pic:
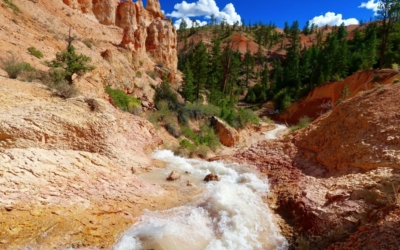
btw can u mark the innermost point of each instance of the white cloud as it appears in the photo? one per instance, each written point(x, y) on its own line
point(330, 18)
point(370, 5)
point(205, 8)
point(189, 22)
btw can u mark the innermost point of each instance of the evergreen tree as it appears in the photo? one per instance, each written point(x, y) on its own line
point(68, 63)
point(199, 66)
point(188, 89)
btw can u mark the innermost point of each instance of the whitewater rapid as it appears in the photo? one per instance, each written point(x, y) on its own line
point(228, 214)
point(273, 134)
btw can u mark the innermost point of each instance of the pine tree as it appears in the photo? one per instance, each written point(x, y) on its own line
point(68, 63)
point(188, 89)
point(199, 66)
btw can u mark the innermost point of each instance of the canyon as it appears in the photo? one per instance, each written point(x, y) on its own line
point(72, 176)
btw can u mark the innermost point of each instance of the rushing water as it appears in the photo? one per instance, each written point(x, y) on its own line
point(273, 134)
point(228, 214)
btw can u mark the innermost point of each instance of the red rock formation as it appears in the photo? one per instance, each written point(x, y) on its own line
point(362, 132)
point(104, 10)
point(161, 43)
point(146, 31)
point(83, 5)
point(154, 7)
point(228, 136)
point(320, 98)
point(126, 15)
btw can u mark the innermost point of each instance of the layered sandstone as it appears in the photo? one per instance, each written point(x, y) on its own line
point(68, 173)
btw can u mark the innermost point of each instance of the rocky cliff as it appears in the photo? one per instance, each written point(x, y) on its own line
point(146, 31)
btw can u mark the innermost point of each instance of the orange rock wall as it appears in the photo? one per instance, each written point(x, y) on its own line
point(313, 104)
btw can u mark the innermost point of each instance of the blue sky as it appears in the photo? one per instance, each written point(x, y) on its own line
point(320, 11)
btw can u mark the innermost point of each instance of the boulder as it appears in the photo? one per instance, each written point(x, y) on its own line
point(173, 176)
point(228, 136)
point(211, 177)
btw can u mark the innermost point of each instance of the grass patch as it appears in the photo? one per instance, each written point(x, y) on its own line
point(396, 80)
point(124, 101)
point(304, 122)
point(34, 52)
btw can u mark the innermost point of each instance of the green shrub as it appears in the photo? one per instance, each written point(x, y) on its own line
point(70, 62)
point(199, 111)
point(35, 52)
point(395, 67)
point(282, 99)
point(138, 74)
point(14, 66)
point(65, 90)
point(396, 80)
point(88, 43)
point(171, 126)
point(12, 6)
point(165, 93)
point(152, 74)
point(303, 122)
point(123, 101)
point(240, 118)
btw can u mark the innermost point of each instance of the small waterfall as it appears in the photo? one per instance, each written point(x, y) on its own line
point(228, 214)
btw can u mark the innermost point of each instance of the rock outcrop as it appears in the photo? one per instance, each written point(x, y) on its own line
point(323, 98)
point(146, 31)
point(363, 132)
point(67, 166)
point(228, 136)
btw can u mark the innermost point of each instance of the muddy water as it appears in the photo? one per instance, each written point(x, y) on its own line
point(228, 214)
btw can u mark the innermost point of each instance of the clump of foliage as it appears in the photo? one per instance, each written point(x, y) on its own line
point(88, 43)
point(239, 118)
point(396, 80)
point(303, 122)
point(152, 74)
point(68, 63)
point(65, 90)
point(395, 67)
point(14, 65)
point(35, 52)
point(124, 101)
point(14, 7)
point(199, 142)
point(138, 74)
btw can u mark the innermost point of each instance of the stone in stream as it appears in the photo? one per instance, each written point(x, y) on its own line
point(211, 177)
point(173, 176)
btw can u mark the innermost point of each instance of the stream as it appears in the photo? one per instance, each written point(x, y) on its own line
point(227, 214)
